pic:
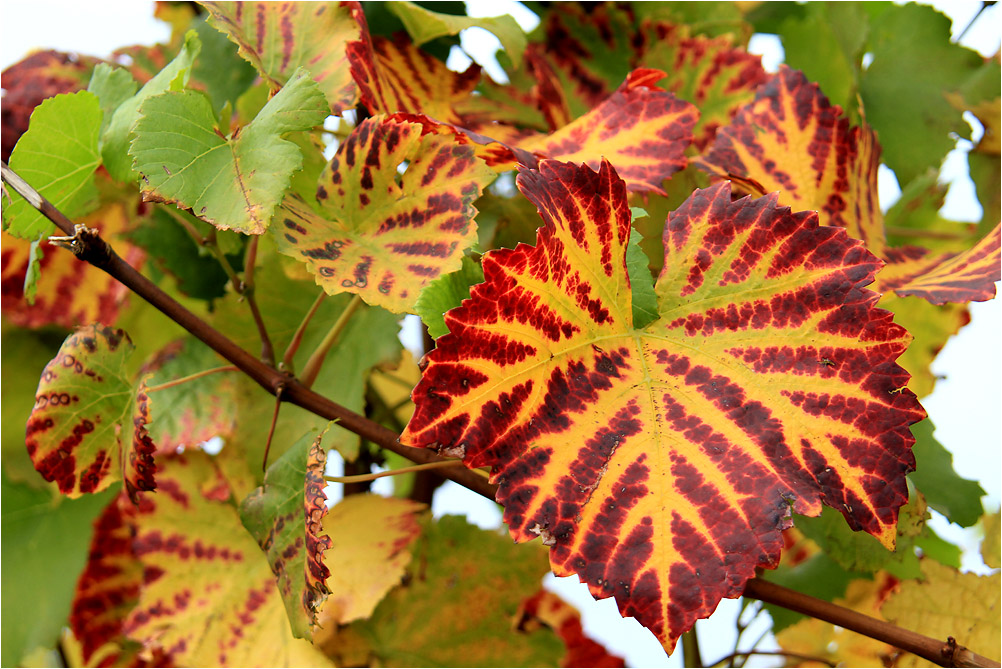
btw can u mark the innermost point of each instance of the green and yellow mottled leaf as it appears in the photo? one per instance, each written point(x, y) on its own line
point(285, 516)
point(233, 183)
point(371, 538)
point(424, 25)
point(464, 586)
point(57, 156)
point(381, 233)
point(660, 465)
point(69, 293)
point(842, 647)
point(190, 542)
point(947, 603)
point(118, 136)
point(279, 37)
point(86, 430)
point(792, 140)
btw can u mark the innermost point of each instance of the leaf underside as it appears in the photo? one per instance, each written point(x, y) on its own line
point(768, 383)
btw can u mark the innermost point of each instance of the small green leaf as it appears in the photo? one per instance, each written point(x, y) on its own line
point(645, 302)
point(57, 156)
point(115, 140)
point(112, 86)
point(35, 255)
point(447, 292)
point(424, 25)
point(233, 183)
point(957, 498)
point(220, 68)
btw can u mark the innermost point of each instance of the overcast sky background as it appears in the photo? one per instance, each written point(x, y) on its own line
point(964, 407)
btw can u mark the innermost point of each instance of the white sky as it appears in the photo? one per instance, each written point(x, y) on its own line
point(965, 406)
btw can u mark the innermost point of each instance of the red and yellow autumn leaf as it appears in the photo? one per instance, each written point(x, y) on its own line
point(87, 428)
point(582, 651)
point(941, 278)
point(70, 292)
point(190, 542)
point(278, 37)
point(767, 148)
point(381, 233)
point(370, 550)
point(661, 465)
point(285, 516)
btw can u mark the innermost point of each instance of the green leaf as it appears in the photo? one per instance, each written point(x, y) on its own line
point(112, 86)
point(45, 542)
point(57, 156)
point(284, 516)
point(447, 292)
point(424, 25)
point(957, 498)
point(939, 549)
point(34, 272)
point(469, 584)
point(645, 301)
point(116, 138)
point(233, 183)
point(914, 64)
point(220, 68)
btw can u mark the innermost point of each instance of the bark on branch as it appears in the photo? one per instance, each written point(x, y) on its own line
point(88, 246)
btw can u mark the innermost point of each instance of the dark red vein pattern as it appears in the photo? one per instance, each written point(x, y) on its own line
point(278, 37)
point(382, 234)
point(661, 465)
point(790, 122)
point(940, 278)
point(81, 432)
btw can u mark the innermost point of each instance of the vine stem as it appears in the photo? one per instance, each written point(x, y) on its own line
point(190, 377)
point(247, 291)
point(316, 361)
point(88, 246)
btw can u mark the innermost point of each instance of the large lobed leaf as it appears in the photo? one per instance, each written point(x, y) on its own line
point(381, 233)
point(234, 183)
point(87, 429)
point(661, 464)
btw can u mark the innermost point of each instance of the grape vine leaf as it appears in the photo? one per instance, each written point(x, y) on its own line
point(118, 135)
point(379, 233)
point(466, 582)
point(548, 609)
point(957, 498)
point(371, 548)
point(424, 25)
point(233, 183)
point(948, 603)
point(69, 293)
point(990, 544)
point(817, 638)
point(279, 37)
point(58, 156)
point(690, 440)
point(284, 516)
point(86, 429)
point(444, 293)
point(112, 86)
point(189, 540)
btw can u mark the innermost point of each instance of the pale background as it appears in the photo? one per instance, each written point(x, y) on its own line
point(964, 407)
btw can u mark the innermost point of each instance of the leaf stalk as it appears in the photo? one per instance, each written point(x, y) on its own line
point(316, 361)
point(191, 377)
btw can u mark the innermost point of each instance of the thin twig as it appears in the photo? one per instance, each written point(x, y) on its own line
point(247, 291)
point(361, 478)
point(316, 361)
point(691, 656)
point(297, 339)
point(191, 377)
point(915, 233)
point(981, 9)
point(271, 430)
point(781, 653)
point(91, 248)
